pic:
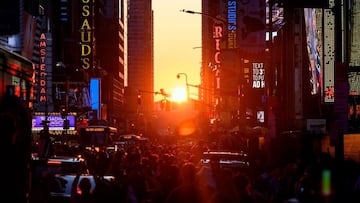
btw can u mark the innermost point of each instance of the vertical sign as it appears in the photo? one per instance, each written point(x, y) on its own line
point(95, 95)
point(42, 69)
point(86, 34)
point(218, 33)
point(329, 52)
point(232, 25)
point(313, 48)
point(258, 75)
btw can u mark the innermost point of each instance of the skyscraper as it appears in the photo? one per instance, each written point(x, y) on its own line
point(140, 54)
point(97, 53)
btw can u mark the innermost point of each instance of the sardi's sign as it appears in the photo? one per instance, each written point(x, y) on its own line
point(86, 34)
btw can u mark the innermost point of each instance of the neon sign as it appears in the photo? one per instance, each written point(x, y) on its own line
point(231, 19)
point(42, 70)
point(56, 122)
point(95, 129)
point(217, 36)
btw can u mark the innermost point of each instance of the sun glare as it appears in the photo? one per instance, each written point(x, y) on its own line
point(179, 94)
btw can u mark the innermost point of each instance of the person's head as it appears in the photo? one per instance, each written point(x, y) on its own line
point(188, 172)
point(85, 185)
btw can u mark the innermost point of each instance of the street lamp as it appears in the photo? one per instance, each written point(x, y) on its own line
point(187, 84)
point(211, 52)
point(215, 19)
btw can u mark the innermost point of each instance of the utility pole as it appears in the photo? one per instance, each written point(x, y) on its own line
point(187, 84)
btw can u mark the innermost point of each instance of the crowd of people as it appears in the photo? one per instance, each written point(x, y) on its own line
point(172, 172)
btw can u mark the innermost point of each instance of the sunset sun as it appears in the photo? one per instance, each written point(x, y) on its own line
point(179, 94)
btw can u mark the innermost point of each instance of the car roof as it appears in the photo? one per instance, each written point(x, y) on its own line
point(226, 158)
point(223, 154)
point(67, 159)
point(60, 159)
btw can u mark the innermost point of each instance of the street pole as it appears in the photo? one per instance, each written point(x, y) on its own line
point(187, 84)
point(213, 99)
point(215, 19)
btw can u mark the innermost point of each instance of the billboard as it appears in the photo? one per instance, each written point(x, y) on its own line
point(95, 95)
point(313, 49)
point(56, 122)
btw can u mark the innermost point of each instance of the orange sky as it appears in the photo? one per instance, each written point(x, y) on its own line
point(175, 36)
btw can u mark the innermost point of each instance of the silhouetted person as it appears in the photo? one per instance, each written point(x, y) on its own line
point(15, 144)
point(84, 195)
point(242, 186)
point(45, 148)
point(188, 190)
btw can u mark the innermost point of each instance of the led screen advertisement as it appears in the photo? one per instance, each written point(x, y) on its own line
point(95, 95)
point(56, 122)
point(313, 48)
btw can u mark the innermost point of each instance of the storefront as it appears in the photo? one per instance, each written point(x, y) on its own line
point(16, 76)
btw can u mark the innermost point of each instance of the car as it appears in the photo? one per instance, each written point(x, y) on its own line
point(60, 186)
point(226, 159)
point(58, 165)
point(130, 139)
point(59, 173)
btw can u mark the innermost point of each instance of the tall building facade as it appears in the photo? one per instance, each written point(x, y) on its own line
point(140, 63)
point(94, 32)
point(110, 48)
point(298, 72)
point(72, 44)
point(233, 60)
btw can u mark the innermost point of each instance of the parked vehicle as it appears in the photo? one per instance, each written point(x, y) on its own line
point(56, 174)
point(58, 165)
point(60, 186)
point(130, 139)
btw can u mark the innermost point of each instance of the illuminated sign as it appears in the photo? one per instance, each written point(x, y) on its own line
point(258, 75)
point(94, 129)
point(95, 95)
point(42, 69)
point(56, 122)
point(217, 36)
point(328, 41)
point(231, 19)
point(313, 48)
point(86, 34)
point(260, 116)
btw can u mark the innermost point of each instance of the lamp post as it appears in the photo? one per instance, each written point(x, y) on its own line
point(211, 51)
point(215, 19)
point(187, 84)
